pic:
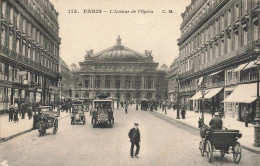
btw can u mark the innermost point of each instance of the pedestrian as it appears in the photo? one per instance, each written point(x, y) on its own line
point(134, 135)
point(16, 119)
point(30, 112)
point(212, 111)
point(183, 112)
point(126, 106)
point(23, 108)
point(246, 118)
point(11, 113)
point(136, 106)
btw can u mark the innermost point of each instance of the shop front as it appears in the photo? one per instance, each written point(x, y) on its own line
point(242, 99)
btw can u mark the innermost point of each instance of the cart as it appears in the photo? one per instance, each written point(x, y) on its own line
point(223, 141)
point(48, 119)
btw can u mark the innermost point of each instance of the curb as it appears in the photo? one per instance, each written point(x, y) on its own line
point(243, 146)
point(21, 133)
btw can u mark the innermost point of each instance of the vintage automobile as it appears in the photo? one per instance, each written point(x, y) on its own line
point(77, 114)
point(47, 119)
point(102, 113)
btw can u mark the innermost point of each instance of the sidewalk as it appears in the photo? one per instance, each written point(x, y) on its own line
point(9, 130)
point(191, 119)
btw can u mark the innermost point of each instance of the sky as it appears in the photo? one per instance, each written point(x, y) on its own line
point(156, 31)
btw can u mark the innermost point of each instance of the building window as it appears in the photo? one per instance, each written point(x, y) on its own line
point(255, 30)
point(222, 47)
point(24, 25)
point(87, 84)
point(23, 49)
point(127, 84)
point(244, 37)
point(17, 45)
point(18, 20)
point(98, 83)
point(107, 84)
point(216, 51)
point(3, 36)
point(244, 6)
point(12, 15)
point(4, 9)
point(229, 17)
point(236, 40)
point(236, 11)
point(222, 22)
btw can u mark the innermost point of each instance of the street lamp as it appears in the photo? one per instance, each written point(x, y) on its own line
point(70, 92)
point(156, 94)
point(257, 118)
point(137, 98)
point(80, 86)
point(118, 86)
point(203, 91)
point(178, 95)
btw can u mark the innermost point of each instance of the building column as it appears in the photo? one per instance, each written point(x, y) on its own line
point(142, 82)
point(153, 82)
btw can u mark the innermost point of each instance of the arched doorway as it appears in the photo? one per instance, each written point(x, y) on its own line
point(86, 95)
point(149, 96)
point(128, 96)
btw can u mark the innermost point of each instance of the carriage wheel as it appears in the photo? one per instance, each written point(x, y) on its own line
point(208, 150)
point(222, 153)
point(237, 153)
point(55, 126)
point(201, 147)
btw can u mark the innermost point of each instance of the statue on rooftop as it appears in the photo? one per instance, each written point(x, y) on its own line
point(88, 54)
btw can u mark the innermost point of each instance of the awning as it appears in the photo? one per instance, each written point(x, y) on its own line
point(240, 67)
point(215, 73)
point(244, 93)
point(250, 64)
point(212, 92)
point(198, 95)
point(200, 80)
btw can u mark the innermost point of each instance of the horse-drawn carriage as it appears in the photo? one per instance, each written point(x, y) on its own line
point(47, 119)
point(223, 141)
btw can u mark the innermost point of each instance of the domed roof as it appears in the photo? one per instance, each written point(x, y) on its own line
point(121, 53)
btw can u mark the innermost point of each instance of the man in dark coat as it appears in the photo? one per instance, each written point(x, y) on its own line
point(134, 135)
point(183, 112)
point(11, 113)
point(216, 122)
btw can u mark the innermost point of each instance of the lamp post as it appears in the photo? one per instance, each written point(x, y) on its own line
point(137, 98)
point(257, 118)
point(156, 94)
point(70, 92)
point(203, 90)
point(178, 95)
point(80, 86)
point(118, 86)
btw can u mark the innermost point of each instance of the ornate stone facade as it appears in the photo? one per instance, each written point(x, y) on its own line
point(29, 52)
point(119, 72)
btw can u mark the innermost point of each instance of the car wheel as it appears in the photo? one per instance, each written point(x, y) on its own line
point(94, 123)
point(84, 121)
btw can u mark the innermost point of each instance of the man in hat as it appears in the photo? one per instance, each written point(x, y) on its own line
point(11, 113)
point(216, 122)
point(134, 135)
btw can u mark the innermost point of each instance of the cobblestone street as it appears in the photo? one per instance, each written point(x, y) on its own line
point(162, 143)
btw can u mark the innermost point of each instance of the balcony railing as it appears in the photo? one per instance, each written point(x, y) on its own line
point(25, 61)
